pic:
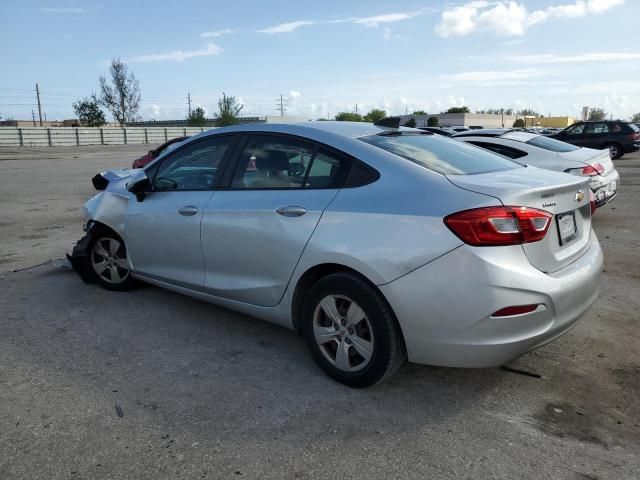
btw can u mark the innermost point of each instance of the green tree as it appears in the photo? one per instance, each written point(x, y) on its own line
point(411, 123)
point(197, 118)
point(228, 111)
point(529, 112)
point(122, 96)
point(419, 112)
point(636, 118)
point(88, 112)
point(519, 123)
point(597, 114)
point(374, 115)
point(348, 117)
point(432, 121)
point(463, 109)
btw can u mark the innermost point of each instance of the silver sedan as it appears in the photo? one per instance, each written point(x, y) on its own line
point(376, 243)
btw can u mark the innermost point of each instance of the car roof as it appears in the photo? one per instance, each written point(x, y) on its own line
point(344, 129)
point(485, 132)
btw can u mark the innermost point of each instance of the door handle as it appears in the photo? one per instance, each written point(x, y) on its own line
point(188, 211)
point(291, 211)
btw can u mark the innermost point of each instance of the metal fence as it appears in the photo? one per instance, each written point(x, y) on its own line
point(68, 136)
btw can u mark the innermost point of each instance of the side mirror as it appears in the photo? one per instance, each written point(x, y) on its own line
point(139, 185)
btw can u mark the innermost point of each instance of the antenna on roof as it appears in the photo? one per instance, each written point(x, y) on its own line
point(389, 122)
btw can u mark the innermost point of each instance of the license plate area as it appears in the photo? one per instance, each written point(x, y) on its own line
point(567, 230)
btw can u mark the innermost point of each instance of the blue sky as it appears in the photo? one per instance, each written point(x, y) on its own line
point(555, 56)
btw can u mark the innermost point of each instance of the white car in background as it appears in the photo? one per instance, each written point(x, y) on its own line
point(544, 152)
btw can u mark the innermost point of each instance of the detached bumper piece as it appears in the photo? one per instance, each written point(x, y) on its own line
point(79, 258)
point(99, 182)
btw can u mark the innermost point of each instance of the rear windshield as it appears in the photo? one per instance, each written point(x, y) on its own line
point(634, 127)
point(442, 155)
point(551, 144)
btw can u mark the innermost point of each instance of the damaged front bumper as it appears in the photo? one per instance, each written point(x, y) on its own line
point(79, 257)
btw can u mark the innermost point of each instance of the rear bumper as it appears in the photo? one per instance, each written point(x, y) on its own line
point(605, 189)
point(444, 308)
point(631, 147)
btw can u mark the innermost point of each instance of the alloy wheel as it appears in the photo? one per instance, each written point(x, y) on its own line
point(343, 333)
point(109, 260)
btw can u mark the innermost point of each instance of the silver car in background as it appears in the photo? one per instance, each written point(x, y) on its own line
point(375, 243)
point(543, 152)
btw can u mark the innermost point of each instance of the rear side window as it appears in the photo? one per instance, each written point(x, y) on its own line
point(440, 154)
point(503, 150)
point(551, 144)
point(596, 128)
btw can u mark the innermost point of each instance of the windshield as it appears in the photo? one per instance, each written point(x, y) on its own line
point(551, 144)
point(440, 154)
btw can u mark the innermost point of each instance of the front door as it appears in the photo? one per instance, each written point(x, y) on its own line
point(162, 233)
point(254, 233)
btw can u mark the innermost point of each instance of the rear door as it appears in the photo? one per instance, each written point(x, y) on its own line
point(596, 135)
point(254, 232)
point(162, 232)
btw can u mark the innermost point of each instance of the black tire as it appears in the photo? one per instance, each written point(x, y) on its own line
point(101, 235)
point(615, 150)
point(388, 349)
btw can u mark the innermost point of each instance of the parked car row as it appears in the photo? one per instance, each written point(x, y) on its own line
point(378, 243)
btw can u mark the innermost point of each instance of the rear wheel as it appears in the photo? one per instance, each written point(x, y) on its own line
point(107, 261)
point(351, 332)
point(615, 150)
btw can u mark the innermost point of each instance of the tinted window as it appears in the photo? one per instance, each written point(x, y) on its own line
point(596, 128)
point(501, 149)
point(441, 154)
point(551, 144)
point(194, 167)
point(281, 162)
point(575, 130)
point(634, 127)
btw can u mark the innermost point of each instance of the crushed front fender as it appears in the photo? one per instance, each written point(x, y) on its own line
point(79, 257)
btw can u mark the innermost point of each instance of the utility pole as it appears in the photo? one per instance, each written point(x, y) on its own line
point(39, 107)
point(33, 117)
point(406, 110)
point(189, 102)
point(282, 105)
point(356, 108)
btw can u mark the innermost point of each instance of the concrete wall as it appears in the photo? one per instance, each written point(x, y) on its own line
point(65, 136)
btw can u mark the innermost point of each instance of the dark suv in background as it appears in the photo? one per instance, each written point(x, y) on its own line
point(618, 136)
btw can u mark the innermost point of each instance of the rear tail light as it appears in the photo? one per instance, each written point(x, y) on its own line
point(592, 202)
point(588, 171)
point(494, 226)
point(515, 310)
point(634, 136)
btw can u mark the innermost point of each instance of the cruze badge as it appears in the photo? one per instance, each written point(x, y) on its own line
point(579, 195)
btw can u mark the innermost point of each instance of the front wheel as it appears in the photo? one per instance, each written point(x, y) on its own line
point(351, 332)
point(107, 261)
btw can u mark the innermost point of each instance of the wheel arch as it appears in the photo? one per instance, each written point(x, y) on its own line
point(315, 273)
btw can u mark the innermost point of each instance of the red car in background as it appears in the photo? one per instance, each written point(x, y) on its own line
point(155, 153)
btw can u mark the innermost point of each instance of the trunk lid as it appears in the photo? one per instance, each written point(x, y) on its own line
point(591, 156)
point(565, 196)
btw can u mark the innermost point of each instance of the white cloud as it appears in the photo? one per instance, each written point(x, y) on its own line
point(579, 58)
point(286, 27)
point(492, 76)
point(369, 21)
point(511, 18)
point(177, 55)
point(378, 19)
point(62, 10)
point(216, 33)
point(294, 94)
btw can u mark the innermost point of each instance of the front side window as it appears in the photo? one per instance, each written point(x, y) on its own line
point(274, 162)
point(575, 130)
point(194, 167)
point(441, 154)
